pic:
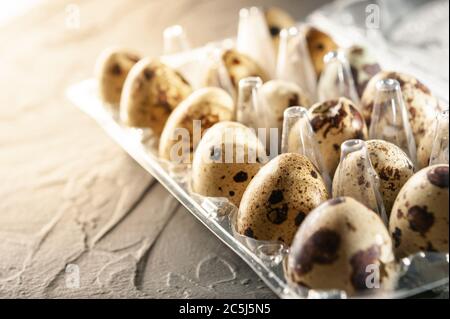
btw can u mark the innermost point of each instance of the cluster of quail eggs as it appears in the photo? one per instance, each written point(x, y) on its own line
point(333, 234)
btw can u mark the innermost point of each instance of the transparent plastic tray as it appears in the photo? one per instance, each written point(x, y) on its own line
point(419, 273)
point(412, 36)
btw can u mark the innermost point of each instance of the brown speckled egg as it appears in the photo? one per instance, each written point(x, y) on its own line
point(420, 103)
point(355, 177)
point(334, 122)
point(340, 245)
point(238, 66)
point(424, 148)
point(151, 92)
point(280, 196)
point(111, 69)
point(277, 20)
point(419, 218)
point(206, 105)
point(363, 66)
point(277, 96)
point(226, 159)
point(390, 163)
point(319, 44)
point(393, 167)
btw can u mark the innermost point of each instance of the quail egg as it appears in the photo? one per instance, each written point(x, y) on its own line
point(319, 44)
point(355, 177)
point(419, 218)
point(433, 148)
point(334, 122)
point(363, 66)
point(279, 197)
point(393, 167)
point(424, 149)
point(342, 245)
point(238, 66)
point(206, 105)
point(277, 20)
point(151, 92)
point(111, 69)
point(277, 96)
point(226, 159)
point(422, 106)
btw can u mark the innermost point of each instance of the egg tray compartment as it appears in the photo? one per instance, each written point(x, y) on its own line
point(419, 273)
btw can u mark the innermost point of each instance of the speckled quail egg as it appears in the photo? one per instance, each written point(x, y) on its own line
point(111, 69)
point(420, 103)
point(363, 66)
point(433, 147)
point(279, 197)
point(419, 218)
point(424, 148)
point(277, 20)
point(238, 66)
point(334, 122)
point(151, 92)
point(342, 245)
point(392, 166)
point(206, 105)
point(319, 44)
point(277, 96)
point(355, 177)
point(226, 159)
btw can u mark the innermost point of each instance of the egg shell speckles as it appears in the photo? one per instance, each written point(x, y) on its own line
point(334, 122)
point(319, 44)
point(353, 178)
point(207, 105)
point(212, 175)
point(151, 92)
point(420, 103)
point(111, 70)
point(279, 197)
point(363, 66)
point(392, 166)
point(419, 218)
point(335, 245)
point(239, 66)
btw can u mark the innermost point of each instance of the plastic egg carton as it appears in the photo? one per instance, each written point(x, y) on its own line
point(419, 273)
point(404, 35)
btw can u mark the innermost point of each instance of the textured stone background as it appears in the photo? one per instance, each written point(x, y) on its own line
point(69, 195)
